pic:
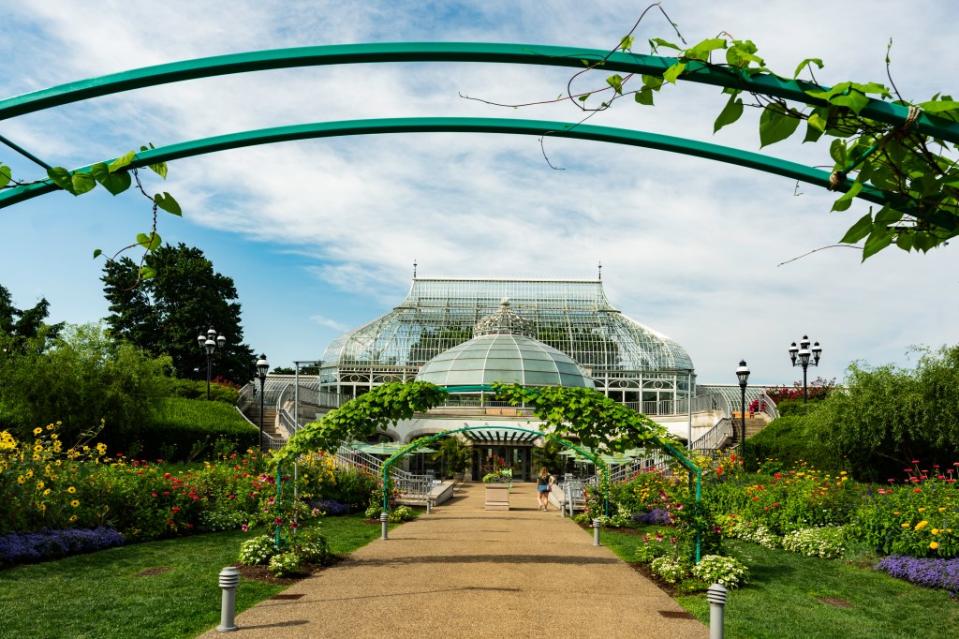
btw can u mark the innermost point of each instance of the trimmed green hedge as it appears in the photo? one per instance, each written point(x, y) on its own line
point(192, 428)
point(193, 389)
point(789, 440)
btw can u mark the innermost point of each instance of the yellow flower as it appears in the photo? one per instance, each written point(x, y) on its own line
point(37, 431)
point(922, 509)
point(934, 545)
point(21, 480)
point(71, 490)
point(842, 472)
point(42, 507)
point(906, 525)
point(73, 518)
point(40, 485)
point(51, 426)
point(935, 531)
point(46, 492)
point(942, 510)
point(74, 503)
point(102, 448)
point(922, 524)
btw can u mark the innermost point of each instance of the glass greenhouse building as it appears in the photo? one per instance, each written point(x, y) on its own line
point(454, 331)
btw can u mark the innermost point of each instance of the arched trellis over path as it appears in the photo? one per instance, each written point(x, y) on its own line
point(696, 473)
point(573, 57)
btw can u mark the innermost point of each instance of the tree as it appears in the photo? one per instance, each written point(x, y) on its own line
point(164, 314)
point(25, 323)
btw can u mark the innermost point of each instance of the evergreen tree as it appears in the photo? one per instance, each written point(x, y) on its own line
point(24, 323)
point(164, 315)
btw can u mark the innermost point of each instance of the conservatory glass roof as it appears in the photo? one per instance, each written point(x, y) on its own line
point(500, 357)
point(572, 316)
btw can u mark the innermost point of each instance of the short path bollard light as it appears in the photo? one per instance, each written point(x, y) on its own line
point(429, 506)
point(384, 523)
point(595, 532)
point(716, 596)
point(229, 578)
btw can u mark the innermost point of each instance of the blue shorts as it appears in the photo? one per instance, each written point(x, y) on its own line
point(543, 489)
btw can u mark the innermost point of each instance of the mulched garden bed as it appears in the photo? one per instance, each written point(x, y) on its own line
point(262, 573)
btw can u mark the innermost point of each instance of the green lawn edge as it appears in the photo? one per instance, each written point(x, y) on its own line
point(100, 595)
point(792, 596)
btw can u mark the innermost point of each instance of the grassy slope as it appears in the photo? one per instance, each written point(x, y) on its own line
point(100, 595)
point(783, 600)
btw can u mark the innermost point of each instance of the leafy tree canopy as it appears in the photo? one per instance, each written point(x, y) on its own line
point(165, 313)
point(25, 323)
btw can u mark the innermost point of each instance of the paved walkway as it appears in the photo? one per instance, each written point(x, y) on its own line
point(464, 572)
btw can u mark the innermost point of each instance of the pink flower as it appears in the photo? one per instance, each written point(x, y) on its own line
point(244, 527)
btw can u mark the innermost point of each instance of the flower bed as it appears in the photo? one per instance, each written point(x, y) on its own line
point(16, 548)
point(932, 573)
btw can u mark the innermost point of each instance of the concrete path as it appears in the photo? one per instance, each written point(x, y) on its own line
point(463, 572)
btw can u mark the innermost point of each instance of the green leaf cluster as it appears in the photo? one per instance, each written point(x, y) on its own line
point(363, 417)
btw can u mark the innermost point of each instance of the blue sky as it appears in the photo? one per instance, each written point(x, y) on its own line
point(320, 236)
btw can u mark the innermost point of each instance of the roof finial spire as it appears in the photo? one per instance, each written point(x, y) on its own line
point(600, 269)
point(414, 268)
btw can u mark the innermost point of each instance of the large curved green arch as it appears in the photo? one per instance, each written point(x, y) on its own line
point(748, 159)
point(535, 54)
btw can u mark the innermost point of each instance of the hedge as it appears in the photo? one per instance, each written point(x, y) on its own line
point(191, 428)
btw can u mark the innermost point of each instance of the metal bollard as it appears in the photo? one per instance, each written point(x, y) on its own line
point(229, 578)
point(716, 596)
point(595, 532)
point(384, 523)
point(429, 506)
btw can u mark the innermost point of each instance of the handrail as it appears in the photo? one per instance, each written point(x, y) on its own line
point(714, 438)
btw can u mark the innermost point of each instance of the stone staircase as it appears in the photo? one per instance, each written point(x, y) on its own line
point(753, 425)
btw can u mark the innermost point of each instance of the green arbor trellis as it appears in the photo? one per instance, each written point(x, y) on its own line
point(695, 473)
point(572, 57)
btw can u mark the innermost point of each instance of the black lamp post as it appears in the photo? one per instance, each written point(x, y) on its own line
point(800, 356)
point(209, 343)
point(743, 374)
point(262, 366)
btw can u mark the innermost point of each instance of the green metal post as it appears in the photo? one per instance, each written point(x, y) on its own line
point(279, 497)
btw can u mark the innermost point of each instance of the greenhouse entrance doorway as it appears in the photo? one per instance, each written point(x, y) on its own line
point(488, 459)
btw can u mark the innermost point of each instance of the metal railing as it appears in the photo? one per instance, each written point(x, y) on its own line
point(716, 437)
point(706, 402)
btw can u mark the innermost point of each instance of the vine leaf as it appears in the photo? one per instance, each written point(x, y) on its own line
point(122, 162)
point(115, 183)
point(616, 81)
point(61, 177)
point(644, 96)
point(5, 175)
point(97, 253)
point(147, 272)
point(879, 239)
point(730, 113)
point(150, 242)
point(166, 202)
point(775, 124)
point(845, 200)
point(858, 230)
point(82, 182)
point(672, 73)
point(805, 63)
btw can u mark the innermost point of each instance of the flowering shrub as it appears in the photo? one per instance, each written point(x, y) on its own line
point(932, 573)
point(47, 544)
point(331, 507)
point(670, 569)
point(656, 516)
point(257, 550)
point(312, 546)
point(656, 545)
point(825, 543)
point(719, 569)
point(757, 533)
point(286, 564)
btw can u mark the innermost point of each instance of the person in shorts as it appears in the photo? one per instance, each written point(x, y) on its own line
point(544, 483)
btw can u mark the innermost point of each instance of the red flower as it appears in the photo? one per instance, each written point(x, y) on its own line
point(278, 521)
point(917, 490)
point(153, 494)
point(175, 509)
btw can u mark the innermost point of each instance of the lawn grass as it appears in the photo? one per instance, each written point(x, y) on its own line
point(101, 595)
point(788, 597)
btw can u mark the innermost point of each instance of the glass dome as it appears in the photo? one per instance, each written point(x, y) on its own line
point(505, 358)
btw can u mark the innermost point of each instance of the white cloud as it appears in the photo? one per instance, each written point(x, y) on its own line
point(328, 322)
point(690, 247)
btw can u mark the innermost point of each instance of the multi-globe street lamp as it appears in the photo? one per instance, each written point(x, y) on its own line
point(262, 366)
point(742, 373)
point(209, 343)
point(800, 356)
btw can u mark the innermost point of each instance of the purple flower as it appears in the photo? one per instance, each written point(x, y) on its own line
point(16, 548)
point(331, 507)
point(655, 516)
point(932, 573)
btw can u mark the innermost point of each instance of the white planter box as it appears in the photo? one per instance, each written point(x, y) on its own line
point(497, 497)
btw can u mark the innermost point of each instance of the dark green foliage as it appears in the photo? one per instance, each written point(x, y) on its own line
point(195, 389)
point(453, 455)
point(25, 323)
point(164, 315)
point(82, 380)
point(189, 429)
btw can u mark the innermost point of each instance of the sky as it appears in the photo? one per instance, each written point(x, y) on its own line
point(320, 236)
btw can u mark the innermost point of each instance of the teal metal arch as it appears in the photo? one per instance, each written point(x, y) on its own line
point(695, 472)
point(509, 53)
point(673, 144)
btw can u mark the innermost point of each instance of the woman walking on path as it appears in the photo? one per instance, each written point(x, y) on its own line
point(544, 483)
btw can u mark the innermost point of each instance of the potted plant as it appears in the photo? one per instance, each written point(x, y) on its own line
point(455, 457)
point(498, 485)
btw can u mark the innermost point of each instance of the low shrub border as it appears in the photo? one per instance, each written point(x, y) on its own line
point(17, 548)
point(931, 573)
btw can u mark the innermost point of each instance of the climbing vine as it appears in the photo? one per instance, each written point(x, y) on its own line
point(914, 170)
point(600, 423)
point(362, 417)
point(116, 177)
